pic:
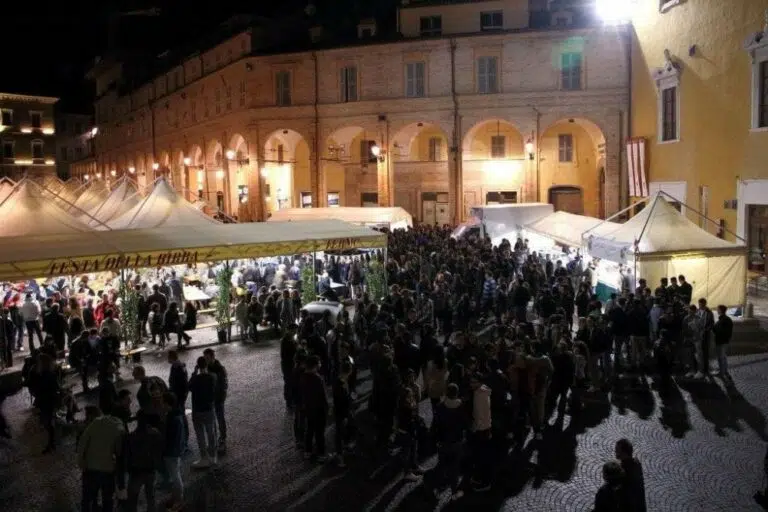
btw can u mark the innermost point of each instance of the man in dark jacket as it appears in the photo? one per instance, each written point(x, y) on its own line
point(639, 331)
point(315, 405)
point(342, 410)
point(178, 384)
point(634, 482)
point(56, 326)
point(707, 323)
point(202, 387)
point(619, 324)
point(173, 448)
point(723, 330)
point(222, 384)
point(449, 426)
point(144, 458)
point(685, 290)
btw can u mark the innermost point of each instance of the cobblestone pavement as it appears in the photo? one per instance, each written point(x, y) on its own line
point(701, 447)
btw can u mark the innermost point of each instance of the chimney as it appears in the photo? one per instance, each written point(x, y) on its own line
point(366, 29)
point(316, 33)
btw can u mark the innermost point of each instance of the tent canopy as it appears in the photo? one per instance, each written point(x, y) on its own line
point(6, 187)
point(65, 194)
point(162, 207)
point(94, 193)
point(36, 256)
point(28, 210)
point(121, 200)
point(394, 217)
point(663, 243)
point(567, 228)
point(659, 228)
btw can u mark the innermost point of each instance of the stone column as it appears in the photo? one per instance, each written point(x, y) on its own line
point(316, 181)
point(613, 164)
point(255, 149)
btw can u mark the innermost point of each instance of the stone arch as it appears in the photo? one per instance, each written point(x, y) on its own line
point(286, 171)
point(571, 156)
point(421, 185)
point(495, 168)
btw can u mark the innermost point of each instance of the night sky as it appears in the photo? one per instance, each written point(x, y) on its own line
point(49, 46)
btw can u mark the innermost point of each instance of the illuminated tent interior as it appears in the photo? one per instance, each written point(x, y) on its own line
point(662, 242)
point(394, 217)
point(563, 228)
point(92, 195)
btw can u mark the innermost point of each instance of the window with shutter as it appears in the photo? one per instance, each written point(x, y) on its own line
point(498, 146)
point(283, 88)
point(348, 84)
point(414, 80)
point(571, 71)
point(435, 149)
point(565, 147)
point(487, 75)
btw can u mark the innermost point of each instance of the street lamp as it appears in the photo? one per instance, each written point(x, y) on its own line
point(615, 11)
point(233, 156)
point(529, 147)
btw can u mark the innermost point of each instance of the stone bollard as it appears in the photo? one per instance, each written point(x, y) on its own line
point(749, 310)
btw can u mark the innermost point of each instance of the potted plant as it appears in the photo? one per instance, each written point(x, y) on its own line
point(129, 305)
point(308, 292)
point(376, 280)
point(224, 303)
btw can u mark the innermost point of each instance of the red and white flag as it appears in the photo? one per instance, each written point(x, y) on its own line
point(638, 181)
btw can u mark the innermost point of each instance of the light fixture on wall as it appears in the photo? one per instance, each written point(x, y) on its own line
point(378, 153)
point(98, 175)
point(86, 177)
point(94, 131)
point(132, 170)
point(155, 166)
point(113, 173)
point(233, 156)
point(187, 161)
point(529, 148)
point(220, 174)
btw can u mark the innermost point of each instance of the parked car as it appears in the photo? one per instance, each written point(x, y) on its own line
point(317, 309)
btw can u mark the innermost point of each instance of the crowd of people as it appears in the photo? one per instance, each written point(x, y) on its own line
point(495, 338)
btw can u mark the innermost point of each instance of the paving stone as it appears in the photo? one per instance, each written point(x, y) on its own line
point(701, 447)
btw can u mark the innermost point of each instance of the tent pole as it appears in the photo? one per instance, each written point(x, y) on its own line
point(615, 215)
point(72, 205)
point(647, 220)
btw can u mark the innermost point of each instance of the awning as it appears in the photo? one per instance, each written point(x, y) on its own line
point(32, 257)
point(566, 228)
point(388, 216)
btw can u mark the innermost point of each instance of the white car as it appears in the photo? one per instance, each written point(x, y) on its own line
point(318, 308)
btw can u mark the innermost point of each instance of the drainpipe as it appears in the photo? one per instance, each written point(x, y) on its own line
point(624, 194)
point(538, 156)
point(457, 156)
point(318, 172)
point(390, 170)
point(152, 114)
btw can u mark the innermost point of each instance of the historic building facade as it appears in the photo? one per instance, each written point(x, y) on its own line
point(700, 100)
point(74, 141)
point(468, 107)
point(27, 135)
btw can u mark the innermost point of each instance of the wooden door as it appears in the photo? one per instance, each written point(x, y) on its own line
point(567, 199)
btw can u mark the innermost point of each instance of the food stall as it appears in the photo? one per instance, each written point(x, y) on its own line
point(378, 217)
point(662, 242)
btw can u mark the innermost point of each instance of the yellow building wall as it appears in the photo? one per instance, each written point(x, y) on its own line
point(480, 145)
point(419, 150)
point(716, 146)
point(334, 180)
point(301, 177)
point(582, 172)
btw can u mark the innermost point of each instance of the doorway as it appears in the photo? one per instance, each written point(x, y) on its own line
point(757, 236)
point(567, 199)
point(500, 198)
point(470, 200)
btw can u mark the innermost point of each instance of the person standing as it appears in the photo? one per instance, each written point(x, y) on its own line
point(178, 384)
point(288, 349)
point(723, 330)
point(144, 459)
point(634, 482)
point(449, 426)
point(342, 410)
point(315, 405)
point(612, 495)
point(47, 392)
point(98, 452)
point(173, 449)
point(30, 312)
point(707, 322)
point(222, 384)
point(202, 387)
point(480, 436)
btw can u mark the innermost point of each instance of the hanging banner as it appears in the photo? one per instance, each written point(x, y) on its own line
point(638, 182)
point(618, 252)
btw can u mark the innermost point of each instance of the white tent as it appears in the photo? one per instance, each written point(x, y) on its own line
point(121, 200)
point(28, 210)
point(393, 218)
point(162, 207)
point(6, 187)
point(91, 197)
point(662, 242)
point(64, 194)
point(563, 228)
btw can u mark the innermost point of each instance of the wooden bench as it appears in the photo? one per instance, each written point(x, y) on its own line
point(133, 355)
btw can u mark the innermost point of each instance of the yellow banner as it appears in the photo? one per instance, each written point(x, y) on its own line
point(114, 262)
